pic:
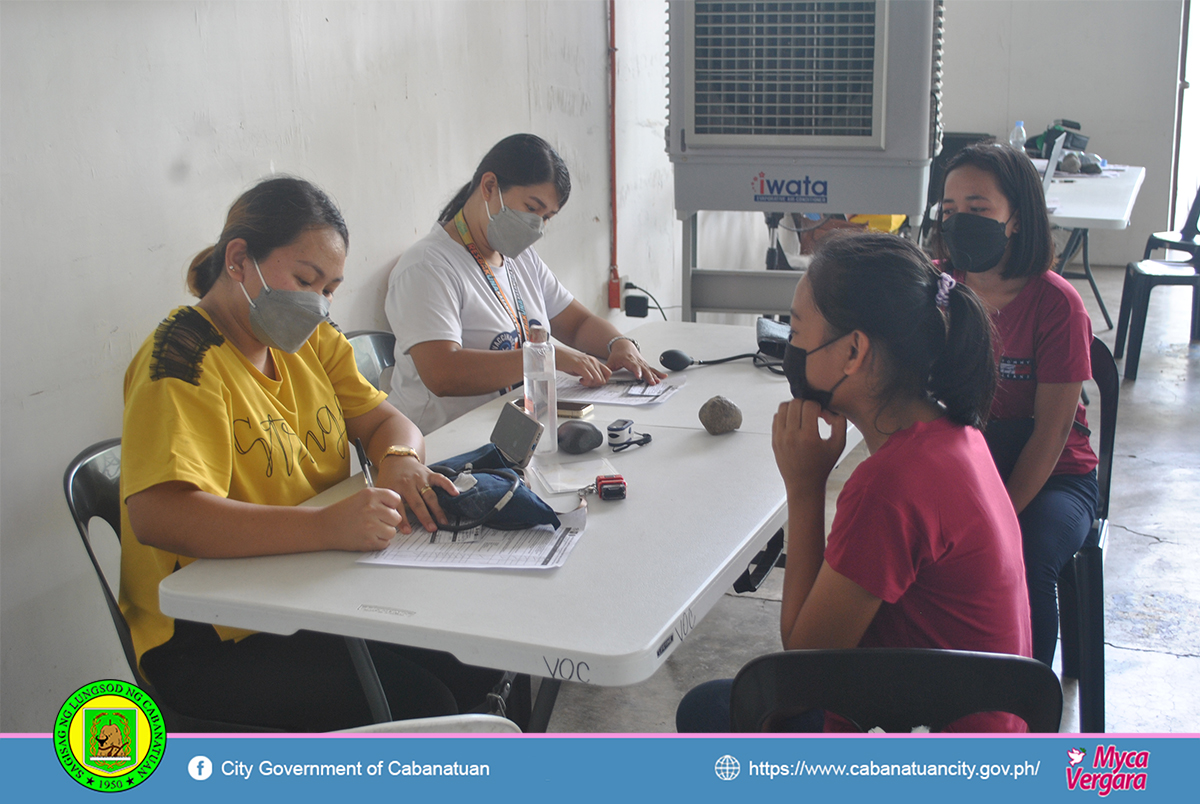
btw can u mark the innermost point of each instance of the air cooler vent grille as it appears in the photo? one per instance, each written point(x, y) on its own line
point(785, 68)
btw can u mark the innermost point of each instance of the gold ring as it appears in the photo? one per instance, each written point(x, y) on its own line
point(425, 489)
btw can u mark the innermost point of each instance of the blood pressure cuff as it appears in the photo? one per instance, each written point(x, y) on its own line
point(491, 478)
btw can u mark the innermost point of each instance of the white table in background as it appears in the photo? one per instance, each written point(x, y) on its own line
point(646, 571)
point(1080, 203)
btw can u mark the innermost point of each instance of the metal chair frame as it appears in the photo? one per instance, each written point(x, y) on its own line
point(1081, 582)
point(92, 485)
point(374, 351)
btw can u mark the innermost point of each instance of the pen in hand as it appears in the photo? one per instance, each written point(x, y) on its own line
point(365, 462)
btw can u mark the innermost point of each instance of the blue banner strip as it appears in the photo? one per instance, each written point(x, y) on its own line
point(628, 768)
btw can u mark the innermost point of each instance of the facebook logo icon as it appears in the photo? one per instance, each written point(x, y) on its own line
point(200, 768)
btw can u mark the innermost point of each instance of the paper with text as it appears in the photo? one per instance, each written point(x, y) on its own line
point(540, 547)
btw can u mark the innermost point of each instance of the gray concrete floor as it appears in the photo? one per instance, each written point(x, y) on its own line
point(1152, 600)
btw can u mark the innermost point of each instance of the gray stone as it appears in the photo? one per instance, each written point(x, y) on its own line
point(719, 415)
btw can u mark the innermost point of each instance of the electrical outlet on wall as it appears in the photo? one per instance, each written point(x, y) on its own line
point(624, 281)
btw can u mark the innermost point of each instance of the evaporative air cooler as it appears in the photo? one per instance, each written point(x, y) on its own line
point(825, 107)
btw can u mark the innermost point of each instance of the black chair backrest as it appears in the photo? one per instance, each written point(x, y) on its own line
point(92, 484)
point(896, 689)
point(1104, 372)
point(374, 351)
point(1190, 228)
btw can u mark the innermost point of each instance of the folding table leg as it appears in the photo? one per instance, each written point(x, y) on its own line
point(364, 665)
point(1087, 269)
point(1079, 238)
point(547, 694)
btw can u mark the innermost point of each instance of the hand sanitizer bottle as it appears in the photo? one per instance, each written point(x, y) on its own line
point(541, 394)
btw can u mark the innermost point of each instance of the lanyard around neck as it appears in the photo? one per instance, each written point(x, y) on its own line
point(518, 316)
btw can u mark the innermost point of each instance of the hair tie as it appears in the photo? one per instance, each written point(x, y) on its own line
point(946, 283)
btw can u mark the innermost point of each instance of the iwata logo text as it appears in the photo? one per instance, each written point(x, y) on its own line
point(790, 191)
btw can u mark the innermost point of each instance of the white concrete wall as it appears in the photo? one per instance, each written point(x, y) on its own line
point(1111, 65)
point(129, 128)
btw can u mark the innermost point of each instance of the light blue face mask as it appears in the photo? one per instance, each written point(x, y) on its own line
point(511, 232)
point(285, 319)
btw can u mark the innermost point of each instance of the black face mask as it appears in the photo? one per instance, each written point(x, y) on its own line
point(795, 366)
point(976, 244)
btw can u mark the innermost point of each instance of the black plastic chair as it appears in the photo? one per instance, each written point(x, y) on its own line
point(1081, 582)
point(1186, 239)
point(1142, 277)
point(896, 689)
point(374, 351)
point(92, 484)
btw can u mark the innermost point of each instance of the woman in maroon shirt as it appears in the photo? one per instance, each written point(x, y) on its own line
point(995, 236)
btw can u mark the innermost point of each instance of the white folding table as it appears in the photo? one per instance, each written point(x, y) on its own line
point(645, 572)
point(1083, 202)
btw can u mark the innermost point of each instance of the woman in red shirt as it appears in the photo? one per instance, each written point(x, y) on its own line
point(925, 549)
point(995, 234)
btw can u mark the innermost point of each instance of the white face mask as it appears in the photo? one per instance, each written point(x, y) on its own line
point(511, 232)
point(285, 319)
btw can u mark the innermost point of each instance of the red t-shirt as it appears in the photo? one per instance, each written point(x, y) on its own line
point(926, 525)
point(1045, 335)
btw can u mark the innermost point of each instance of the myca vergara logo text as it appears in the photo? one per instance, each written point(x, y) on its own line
point(109, 736)
point(793, 190)
point(1110, 770)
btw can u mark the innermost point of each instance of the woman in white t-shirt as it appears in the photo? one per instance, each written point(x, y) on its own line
point(462, 298)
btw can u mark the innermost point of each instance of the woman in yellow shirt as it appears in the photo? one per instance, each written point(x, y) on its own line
point(237, 409)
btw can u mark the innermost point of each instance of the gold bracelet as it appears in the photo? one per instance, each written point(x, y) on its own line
point(402, 452)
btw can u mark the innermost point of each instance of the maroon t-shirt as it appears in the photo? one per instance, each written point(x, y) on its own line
point(1045, 335)
point(926, 525)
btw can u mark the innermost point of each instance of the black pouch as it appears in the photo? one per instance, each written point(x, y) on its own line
point(1005, 439)
point(499, 498)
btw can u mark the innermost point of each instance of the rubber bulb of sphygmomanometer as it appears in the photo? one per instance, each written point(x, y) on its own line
point(675, 360)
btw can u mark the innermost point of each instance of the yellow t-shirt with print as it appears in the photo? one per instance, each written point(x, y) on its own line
point(197, 411)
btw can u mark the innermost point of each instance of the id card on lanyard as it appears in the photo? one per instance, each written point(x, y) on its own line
point(519, 318)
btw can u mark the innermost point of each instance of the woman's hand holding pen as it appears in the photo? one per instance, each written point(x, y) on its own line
point(804, 458)
point(362, 522)
point(414, 482)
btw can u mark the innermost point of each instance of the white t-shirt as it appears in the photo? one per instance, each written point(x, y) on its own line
point(437, 292)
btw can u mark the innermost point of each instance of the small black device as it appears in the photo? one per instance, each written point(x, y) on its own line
point(516, 434)
point(773, 337)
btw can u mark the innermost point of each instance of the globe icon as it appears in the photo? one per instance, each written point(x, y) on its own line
point(728, 768)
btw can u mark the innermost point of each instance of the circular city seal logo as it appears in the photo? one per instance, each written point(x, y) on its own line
point(109, 736)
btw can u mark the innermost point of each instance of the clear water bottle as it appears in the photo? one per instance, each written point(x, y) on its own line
point(541, 393)
point(1016, 137)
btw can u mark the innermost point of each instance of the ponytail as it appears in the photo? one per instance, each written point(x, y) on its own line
point(519, 160)
point(886, 287)
point(458, 202)
point(963, 377)
point(202, 273)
